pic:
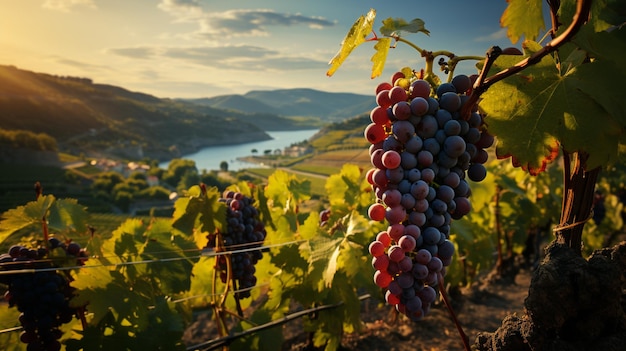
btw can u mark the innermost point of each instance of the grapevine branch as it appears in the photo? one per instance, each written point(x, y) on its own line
point(225, 341)
point(583, 8)
point(459, 328)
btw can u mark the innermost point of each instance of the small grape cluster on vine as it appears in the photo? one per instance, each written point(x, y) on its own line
point(41, 293)
point(244, 231)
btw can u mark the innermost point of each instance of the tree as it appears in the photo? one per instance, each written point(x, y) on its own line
point(224, 166)
point(176, 169)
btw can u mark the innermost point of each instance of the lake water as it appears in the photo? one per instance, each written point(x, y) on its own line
point(210, 158)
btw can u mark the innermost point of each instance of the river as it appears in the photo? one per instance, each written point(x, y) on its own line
point(210, 158)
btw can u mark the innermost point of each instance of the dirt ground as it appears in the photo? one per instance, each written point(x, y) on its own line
point(479, 308)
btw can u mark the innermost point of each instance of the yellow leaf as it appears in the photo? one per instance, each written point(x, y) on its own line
point(379, 58)
point(355, 37)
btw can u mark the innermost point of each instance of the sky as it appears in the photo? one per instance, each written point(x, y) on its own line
point(205, 48)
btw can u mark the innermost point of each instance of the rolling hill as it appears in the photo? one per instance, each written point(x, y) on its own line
point(99, 119)
point(303, 103)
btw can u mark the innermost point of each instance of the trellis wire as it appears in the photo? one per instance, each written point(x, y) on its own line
point(205, 253)
point(224, 341)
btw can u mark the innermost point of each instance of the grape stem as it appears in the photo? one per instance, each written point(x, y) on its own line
point(583, 8)
point(446, 302)
point(430, 56)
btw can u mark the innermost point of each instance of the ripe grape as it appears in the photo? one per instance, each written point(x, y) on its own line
point(420, 89)
point(376, 248)
point(378, 115)
point(391, 159)
point(375, 133)
point(419, 106)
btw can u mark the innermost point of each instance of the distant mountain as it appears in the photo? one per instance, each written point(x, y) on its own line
point(324, 106)
point(267, 121)
point(100, 119)
point(93, 119)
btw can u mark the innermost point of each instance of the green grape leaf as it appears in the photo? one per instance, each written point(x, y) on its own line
point(23, 216)
point(361, 28)
point(199, 213)
point(67, 214)
point(311, 227)
point(162, 242)
point(523, 18)
point(393, 27)
point(379, 58)
point(323, 261)
point(263, 208)
point(91, 285)
point(549, 109)
point(286, 189)
point(202, 281)
point(345, 187)
point(339, 252)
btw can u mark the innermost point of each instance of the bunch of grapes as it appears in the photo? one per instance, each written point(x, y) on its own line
point(423, 151)
point(244, 231)
point(42, 297)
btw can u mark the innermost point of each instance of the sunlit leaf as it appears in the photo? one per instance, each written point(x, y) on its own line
point(68, 215)
point(379, 58)
point(199, 213)
point(392, 27)
point(523, 18)
point(361, 28)
point(344, 188)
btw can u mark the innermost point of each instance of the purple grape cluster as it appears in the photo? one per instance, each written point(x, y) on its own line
point(42, 297)
point(244, 231)
point(422, 152)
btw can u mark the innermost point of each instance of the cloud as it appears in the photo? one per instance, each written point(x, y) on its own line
point(253, 23)
point(240, 57)
point(183, 10)
point(79, 64)
point(139, 52)
point(67, 5)
point(237, 22)
point(495, 36)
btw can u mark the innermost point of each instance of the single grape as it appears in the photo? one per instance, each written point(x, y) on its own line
point(419, 106)
point(402, 110)
point(382, 99)
point(396, 253)
point(462, 83)
point(445, 88)
point(384, 238)
point(383, 86)
point(407, 243)
point(390, 159)
point(380, 262)
point(420, 89)
point(375, 133)
point(450, 101)
point(378, 115)
point(477, 172)
point(376, 248)
point(403, 131)
point(382, 279)
point(397, 94)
